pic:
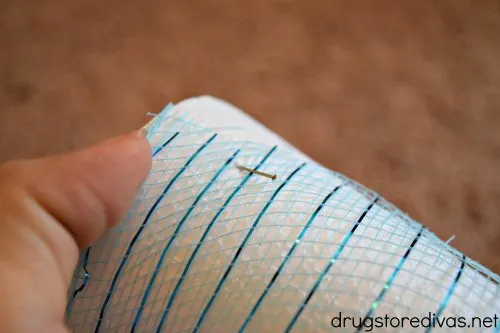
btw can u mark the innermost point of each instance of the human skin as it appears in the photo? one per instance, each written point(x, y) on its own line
point(51, 207)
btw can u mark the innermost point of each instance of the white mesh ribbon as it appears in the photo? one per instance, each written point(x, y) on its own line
point(207, 247)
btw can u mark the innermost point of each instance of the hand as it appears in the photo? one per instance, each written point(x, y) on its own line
point(51, 207)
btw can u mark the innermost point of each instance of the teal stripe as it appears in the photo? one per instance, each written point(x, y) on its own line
point(135, 238)
point(219, 212)
point(446, 299)
point(188, 213)
point(288, 256)
point(389, 282)
point(328, 266)
point(172, 238)
point(240, 249)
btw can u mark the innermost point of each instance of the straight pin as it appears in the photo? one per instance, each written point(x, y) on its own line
point(257, 172)
point(145, 129)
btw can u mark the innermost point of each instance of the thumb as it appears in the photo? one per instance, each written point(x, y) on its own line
point(48, 208)
point(88, 191)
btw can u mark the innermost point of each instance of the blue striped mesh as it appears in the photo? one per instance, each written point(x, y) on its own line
point(209, 248)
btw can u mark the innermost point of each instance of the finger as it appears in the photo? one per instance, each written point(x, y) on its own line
point(90, 190)
point(50, 206)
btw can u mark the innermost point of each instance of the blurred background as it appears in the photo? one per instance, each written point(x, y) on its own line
point(402, 96)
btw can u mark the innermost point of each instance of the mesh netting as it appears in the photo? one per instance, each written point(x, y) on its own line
point(207, 247)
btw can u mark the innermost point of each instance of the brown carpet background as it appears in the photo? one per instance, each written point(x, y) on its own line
point(402, 96)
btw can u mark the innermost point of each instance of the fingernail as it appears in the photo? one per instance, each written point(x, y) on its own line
point(142, 132)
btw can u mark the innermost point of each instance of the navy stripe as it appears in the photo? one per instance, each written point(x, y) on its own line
point(240, 249)
point(172, 238)
point(214, 219)
point(87, 253)
point(141, 228)
point(329, 265)
point(86, 277)
point(446, 299)
point(82, 286)
point(159, 149)
point(389, 282)
point(288, 255)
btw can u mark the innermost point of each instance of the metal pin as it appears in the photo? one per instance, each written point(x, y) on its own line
point(145, 128)
point(450, 240)
point(260, 173)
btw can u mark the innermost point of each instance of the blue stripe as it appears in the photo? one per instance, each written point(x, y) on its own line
point(87, 253)
point(86, 277)
point(159, 149)
point(390, 281)
point(165, 250)
point(240, 249)
point(82, 286)
point(141, 228)
point(214, 219)
point(288, 255)
point(328, 266)
point(446, 299)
